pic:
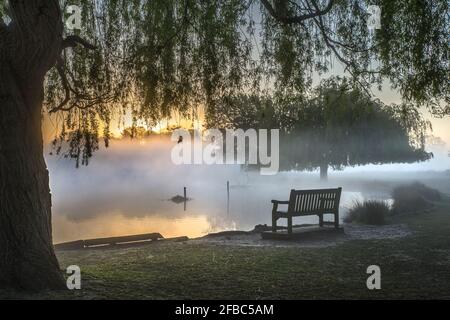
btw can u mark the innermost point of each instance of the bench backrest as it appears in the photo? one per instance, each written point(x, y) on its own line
point(303, 202)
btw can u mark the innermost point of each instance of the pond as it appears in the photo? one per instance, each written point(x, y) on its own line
point(127, 190)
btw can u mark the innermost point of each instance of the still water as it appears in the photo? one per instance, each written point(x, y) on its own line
point(127, 190)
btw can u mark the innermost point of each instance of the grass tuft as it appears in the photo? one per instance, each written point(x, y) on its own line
point(368, 212)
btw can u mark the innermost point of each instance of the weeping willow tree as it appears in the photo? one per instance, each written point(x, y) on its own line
point(333, 125)
point(153, 57)
point(339, 126)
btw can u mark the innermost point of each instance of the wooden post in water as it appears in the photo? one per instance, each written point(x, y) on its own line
point(228, 197)
point(185, 199)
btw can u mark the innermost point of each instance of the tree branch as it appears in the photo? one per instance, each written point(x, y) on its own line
point(283, 18)
point(73, 41)
point(349, 66)
point(66, 86)
point(80, 100)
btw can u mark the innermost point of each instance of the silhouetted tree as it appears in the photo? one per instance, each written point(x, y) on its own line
point(135, 132)
point(243, 112)
point(335, 125)
point(338, 126)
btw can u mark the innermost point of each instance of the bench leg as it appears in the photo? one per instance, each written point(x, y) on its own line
point(320, 220)
point(290, 225)
point(274, 223)
point(336, 220)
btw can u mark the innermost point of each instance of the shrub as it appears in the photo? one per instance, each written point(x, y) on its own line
point(368, 212)
point(414, 197)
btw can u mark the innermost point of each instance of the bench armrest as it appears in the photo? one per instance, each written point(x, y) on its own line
point(280, 202)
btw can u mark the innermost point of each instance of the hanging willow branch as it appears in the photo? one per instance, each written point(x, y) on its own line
point(280, 9)
point(71, 41)
point(154, 58)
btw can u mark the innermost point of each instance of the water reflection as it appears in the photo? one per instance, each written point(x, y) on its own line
point(127, 190)
point(115, 224)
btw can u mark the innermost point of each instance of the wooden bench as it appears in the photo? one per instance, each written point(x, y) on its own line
point(308, 203)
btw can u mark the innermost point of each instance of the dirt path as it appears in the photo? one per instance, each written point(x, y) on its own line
point(318, 239)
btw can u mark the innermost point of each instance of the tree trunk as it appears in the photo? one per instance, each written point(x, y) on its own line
point(324, 172)
point(28, 49)
point(27, 259)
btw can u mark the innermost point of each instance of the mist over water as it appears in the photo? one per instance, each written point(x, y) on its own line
point(127, 188)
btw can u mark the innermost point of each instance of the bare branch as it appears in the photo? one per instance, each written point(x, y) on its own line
point(60, 68)
point(73, 41)
point(281, 17)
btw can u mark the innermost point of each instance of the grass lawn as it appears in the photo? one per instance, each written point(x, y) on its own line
point(417, 266)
